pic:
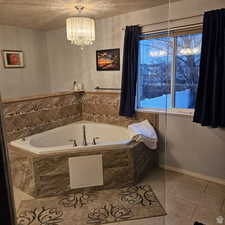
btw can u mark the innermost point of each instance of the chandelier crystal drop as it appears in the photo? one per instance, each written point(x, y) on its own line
point(80, 30)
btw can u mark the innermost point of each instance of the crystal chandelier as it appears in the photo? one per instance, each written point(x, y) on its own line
point(80, 30)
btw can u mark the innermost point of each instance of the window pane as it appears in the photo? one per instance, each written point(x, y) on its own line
point(187, 70)
point(154, 73)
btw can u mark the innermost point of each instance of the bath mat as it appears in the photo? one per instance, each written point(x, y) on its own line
point(97, 207)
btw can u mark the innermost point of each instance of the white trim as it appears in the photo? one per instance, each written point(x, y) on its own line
point(194, 174)
point(177, 111)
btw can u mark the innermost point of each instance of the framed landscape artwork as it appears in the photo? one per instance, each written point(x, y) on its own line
point(108, 59)
point(13, 58)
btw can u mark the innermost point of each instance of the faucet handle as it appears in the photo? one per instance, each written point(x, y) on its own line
point(94, 140)
point(74, 142)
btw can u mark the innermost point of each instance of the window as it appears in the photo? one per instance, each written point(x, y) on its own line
point(168, 71)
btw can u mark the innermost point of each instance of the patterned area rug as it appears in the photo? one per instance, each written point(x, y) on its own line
point(98, 207)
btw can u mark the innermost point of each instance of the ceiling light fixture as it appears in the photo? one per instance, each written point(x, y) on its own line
point(80, 30)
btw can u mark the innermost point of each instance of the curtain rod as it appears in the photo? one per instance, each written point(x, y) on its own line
point(192, 25)
point(173, 20)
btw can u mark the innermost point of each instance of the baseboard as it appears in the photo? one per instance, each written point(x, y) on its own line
point(193, 174)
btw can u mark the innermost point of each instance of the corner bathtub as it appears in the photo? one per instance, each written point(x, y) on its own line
point(60, 139)
point(47, 164)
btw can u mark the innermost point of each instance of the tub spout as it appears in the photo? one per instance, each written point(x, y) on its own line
point(84, 136)
point(94, 140)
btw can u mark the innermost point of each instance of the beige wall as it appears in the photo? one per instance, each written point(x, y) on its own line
point(191, 147)
point(65, 64)
point(34, 78)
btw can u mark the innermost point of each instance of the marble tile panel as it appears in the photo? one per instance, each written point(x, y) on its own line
point(105, 107)
point(24, 107)
point(22, 171)
point(61, 101)
point(27, 117)
point(52, 185)
point(50, 166)
point(116, 158)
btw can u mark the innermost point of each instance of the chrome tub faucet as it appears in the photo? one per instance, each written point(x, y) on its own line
point(84, 136)
point(74, 142)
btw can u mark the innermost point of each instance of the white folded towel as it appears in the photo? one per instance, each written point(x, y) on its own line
point(144, 132)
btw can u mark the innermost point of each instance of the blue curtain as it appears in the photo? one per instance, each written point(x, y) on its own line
point(210, 102)
point(129, 73)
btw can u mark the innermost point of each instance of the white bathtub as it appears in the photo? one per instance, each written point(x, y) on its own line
point(59, 139)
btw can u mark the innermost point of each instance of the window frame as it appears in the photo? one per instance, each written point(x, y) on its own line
point(174, 33)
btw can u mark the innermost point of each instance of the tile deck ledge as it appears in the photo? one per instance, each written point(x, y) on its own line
point(56, 94)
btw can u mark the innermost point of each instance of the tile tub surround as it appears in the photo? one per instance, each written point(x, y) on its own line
point(24, 117)
point(48, 174)
point(103, 107)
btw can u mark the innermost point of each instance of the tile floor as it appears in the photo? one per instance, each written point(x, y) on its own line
point(186, 199)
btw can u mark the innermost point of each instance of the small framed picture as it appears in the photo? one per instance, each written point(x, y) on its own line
point(107, 60)
point(13, 58)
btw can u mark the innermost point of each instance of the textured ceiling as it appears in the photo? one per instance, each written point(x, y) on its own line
point(51, 14)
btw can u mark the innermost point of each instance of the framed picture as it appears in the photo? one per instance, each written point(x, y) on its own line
point(108, 59)
point(13, 58)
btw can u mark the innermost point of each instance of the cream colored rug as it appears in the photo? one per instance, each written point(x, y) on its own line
point(98, 207)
